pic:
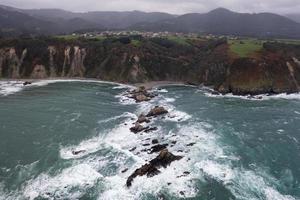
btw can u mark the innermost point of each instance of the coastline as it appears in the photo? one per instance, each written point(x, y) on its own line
point(147, 85)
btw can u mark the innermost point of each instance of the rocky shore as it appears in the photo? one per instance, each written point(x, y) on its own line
point(164, 157)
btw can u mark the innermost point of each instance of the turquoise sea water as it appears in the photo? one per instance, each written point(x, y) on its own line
point(244, 149)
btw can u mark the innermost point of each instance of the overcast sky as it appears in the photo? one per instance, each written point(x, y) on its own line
point(170, 6)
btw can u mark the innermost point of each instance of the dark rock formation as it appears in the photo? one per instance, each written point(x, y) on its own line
point(27, 83)
point(141, 94)
point(143, 119)
point(156, 111)
point(148, 130)
point(154, 141)
point(164, 159)
point(78, 152)
point(138, 128)
point(158, 147)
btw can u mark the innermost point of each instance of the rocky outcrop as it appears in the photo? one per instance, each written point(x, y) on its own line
point(143, 119)
point(164, 159)
point(138, 128)
point(141, 94)
point(156, 111)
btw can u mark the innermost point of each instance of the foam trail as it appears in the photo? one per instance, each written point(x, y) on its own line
point(262, 97)
point(60, 186)
point(96, 143)
point(11, 87)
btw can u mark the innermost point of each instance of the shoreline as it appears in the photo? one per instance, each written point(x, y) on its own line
point(147, 85)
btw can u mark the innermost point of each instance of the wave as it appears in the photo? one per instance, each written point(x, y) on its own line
point(11, 87)
point(262, 97)
point(71, 183)
point(207, 157)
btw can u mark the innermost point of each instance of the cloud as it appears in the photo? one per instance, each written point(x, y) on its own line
point(171, 6)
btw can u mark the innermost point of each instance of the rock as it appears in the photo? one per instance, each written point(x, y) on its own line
point(157, 111)
point(182, 193)
point(141, 98)
point(164, 159)
point(78, 152)
point(142, 118)
point(158, 148)
point(138, 128)
point(150, 129)
point(184, 174)
point(132, 149)
point(155, 141)
point(191, 144)
point(141, 94)
point(27, 83)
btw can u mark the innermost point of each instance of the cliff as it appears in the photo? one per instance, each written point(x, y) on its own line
point(275, 69)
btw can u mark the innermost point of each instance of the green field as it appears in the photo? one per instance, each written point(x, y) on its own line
point(136, 43)
point(245, 47)
point(67, 37)
point(178, 40)
point(289, 41)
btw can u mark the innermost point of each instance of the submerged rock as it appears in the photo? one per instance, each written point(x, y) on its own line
point(156, 111)
point(164, 159)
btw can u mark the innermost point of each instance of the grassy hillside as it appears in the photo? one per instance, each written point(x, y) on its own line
point(246, 47)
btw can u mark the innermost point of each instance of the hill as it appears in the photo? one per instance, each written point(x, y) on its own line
point(225, 22)
point(220, 21)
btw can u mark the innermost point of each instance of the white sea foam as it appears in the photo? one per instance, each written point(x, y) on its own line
point(61, 186)
point(207, 157)
point(96, 143)
point(262, 97)
point(123, 86)
point(11, 87)
point(124, 115)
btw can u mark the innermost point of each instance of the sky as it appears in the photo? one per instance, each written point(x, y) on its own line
point(170, 6)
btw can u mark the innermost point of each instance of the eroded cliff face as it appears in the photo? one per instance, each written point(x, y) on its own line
point(10, 62)
point(276, 69)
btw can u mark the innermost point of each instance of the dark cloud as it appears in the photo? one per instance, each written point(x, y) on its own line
point(171, 6)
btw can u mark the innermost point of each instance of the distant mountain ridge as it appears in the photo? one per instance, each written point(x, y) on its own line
point(225, 22)
point(14, 21)
point(294, 17)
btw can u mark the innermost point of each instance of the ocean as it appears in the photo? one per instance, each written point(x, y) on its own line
point(233, 147)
